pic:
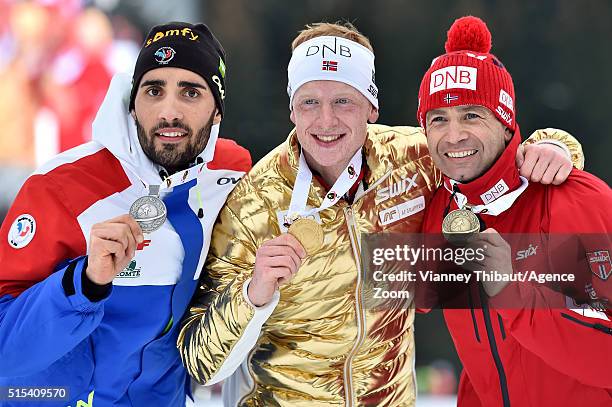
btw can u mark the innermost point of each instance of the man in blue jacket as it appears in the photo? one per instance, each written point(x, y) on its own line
point(103, 246)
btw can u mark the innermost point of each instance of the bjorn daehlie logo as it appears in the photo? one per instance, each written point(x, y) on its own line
point(131, 271)
point(164, 55)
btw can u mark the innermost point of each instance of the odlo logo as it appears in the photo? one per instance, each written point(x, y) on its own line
point(395, 189)
point(131, 271)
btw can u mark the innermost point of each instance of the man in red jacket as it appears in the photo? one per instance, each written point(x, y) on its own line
point(521, 344)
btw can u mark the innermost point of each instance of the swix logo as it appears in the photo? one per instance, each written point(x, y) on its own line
point(141, 246)
point(523, 254)
point(453, 77)
point(492, 194)
point(504, 115)
point(395, 189)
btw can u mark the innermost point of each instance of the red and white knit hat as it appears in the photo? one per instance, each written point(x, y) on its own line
point(468, 74)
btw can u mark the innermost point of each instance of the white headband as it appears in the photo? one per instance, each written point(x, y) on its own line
point(333, 59)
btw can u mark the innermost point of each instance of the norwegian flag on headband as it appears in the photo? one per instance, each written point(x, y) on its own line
point(329, 66)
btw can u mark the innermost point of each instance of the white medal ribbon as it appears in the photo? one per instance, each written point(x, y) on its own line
point(303, 180)
point(494, 208)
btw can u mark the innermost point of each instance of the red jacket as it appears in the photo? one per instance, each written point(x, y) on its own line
point(536, 356)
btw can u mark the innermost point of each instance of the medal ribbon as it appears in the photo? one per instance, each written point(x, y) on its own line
point(494, 208)
point(303, 180)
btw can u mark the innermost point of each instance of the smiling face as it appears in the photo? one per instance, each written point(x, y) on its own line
point(331, 123)
point(174, 111)
point(465, 141)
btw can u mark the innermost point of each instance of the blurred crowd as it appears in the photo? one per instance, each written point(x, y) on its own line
point(56, 60)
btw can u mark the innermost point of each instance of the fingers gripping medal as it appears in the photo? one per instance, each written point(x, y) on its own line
point(302, 226)
point(149, 211)
point(309, 233)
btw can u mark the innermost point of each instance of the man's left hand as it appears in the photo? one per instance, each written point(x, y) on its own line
point(543, 163)
point(497, 257)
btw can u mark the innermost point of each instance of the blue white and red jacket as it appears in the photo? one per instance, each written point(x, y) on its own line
point(116, 347)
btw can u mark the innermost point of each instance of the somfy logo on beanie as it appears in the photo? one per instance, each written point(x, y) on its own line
point(164, 55)
point(185, 32)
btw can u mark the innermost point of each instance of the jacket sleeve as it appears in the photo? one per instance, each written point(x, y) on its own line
point(562, 139)
point(575, 340)
point(221, 325)
point(43, 311)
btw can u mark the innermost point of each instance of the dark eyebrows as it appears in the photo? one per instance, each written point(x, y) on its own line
point(188, 84)
point(155, 82)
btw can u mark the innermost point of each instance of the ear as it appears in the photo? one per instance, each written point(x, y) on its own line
point(218, 117)
point(133, 113)
point(373, 115)
point(507, 135)
point(292, 116)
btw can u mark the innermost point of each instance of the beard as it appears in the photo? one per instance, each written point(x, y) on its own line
point(174, 157)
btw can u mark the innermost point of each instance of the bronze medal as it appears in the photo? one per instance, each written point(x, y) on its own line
point(459, 226)
point(309, 233)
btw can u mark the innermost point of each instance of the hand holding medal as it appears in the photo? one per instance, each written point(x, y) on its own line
point(112, 245)
point(276, 262)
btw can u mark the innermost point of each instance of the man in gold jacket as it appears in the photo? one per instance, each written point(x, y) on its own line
point(282, 317)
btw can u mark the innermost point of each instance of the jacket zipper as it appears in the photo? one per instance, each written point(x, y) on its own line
point(493, 345)
point(360, 311)
point(361, 322)
point(474, 323)
point(599, 327)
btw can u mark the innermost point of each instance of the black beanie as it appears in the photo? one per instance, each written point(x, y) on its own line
point(187, 46)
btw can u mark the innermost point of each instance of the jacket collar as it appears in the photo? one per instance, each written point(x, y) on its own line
point(378, 160)
point(501, 178)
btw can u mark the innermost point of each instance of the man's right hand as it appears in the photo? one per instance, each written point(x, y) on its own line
point(112, 245)
point(276, 262)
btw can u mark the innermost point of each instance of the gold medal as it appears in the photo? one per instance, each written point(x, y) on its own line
point(309, 233)
point(459, 226)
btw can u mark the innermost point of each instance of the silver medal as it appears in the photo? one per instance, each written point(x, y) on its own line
point(149, 211)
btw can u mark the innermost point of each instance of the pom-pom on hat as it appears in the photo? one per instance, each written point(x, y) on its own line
point(468, 74)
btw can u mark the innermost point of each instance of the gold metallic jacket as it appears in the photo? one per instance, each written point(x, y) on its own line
point(321, 346)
